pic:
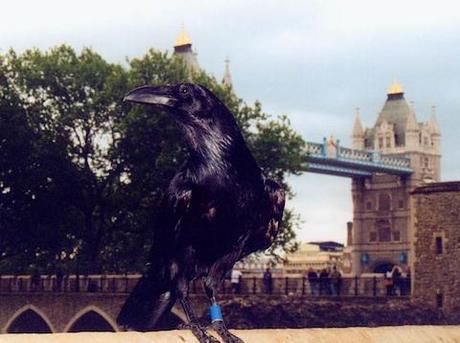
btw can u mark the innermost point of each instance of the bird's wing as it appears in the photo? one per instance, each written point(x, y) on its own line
point(176, 205)
point(277, 198)
point(272, 213)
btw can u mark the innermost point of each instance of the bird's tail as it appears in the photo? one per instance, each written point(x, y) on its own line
point(148, 301)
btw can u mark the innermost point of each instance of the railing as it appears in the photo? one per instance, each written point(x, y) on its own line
point(123, 284)
point(354, 155)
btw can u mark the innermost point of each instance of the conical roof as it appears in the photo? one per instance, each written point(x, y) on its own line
point(396, 111)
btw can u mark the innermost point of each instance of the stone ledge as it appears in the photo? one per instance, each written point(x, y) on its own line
point(419, 334)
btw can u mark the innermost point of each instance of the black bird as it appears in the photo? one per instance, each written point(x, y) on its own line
point(219, 208)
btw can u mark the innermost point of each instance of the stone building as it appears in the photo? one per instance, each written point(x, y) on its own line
point(381, 207)
point(316, 255)
point(183, 49)
point(256, 265)
point(436, 245)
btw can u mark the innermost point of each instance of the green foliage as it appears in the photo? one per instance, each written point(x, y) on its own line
point(81, 176)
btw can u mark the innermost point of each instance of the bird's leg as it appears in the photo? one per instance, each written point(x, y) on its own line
point(217, 320)
point(198, 331)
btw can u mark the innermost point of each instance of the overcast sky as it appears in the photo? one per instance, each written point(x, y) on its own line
point(315, 61)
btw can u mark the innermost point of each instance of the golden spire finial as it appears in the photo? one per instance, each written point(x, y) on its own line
point(183, 38)
point(395, 88)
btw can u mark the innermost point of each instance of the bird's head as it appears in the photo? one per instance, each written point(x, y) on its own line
point(188, 103)
point(207, 122)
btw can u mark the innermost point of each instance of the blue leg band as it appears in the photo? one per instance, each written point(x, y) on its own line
point(216, 314)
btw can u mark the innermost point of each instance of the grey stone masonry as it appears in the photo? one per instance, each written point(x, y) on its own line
point(436, 245)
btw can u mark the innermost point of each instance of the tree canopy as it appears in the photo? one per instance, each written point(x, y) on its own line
point(82, 176)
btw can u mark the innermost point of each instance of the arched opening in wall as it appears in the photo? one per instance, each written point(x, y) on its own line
point(91, 321)
point(383, 267)
point(29, 321)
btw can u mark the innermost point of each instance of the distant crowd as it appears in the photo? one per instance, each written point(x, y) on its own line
point(328, 281)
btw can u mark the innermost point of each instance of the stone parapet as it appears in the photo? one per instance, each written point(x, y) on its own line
point(419, 334)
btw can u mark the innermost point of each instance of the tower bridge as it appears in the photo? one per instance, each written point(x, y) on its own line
point(386, 163)
point(332, 159)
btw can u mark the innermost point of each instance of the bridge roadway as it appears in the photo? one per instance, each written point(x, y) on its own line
point(332, 159)
point(92, 303)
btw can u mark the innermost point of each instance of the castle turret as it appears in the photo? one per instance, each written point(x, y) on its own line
point(183, 48)
point(227, 79)
point(412, 131)
point(358, 132)
point(433, 127)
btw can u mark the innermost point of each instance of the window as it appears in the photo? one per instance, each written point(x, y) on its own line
point(396, 236)
point(384, 202)
point(384, 234)
point(380, 142)
point(372, 236)
point(400, 203)
point(439, 247)
point(388, 141)
point(368, 205)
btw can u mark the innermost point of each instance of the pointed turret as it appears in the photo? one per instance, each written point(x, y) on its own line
point(183, 48)
point(412, 130)
point(435, 131)
point(433, 123)
point(411, 123)
point(358, 132)
point(227, 79)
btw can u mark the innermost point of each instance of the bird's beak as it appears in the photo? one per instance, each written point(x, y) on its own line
point(157, 96)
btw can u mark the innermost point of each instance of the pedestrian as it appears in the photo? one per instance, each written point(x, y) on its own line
point(388, 282)
point(268, 282)
point(336, 281)
point(313, 281)
point(235, 279)
point(324, 288)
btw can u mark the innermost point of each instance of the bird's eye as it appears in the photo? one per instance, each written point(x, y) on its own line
point(183, 90)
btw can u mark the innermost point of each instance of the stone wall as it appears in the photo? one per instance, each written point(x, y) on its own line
point(419, 334)
point(436, 250)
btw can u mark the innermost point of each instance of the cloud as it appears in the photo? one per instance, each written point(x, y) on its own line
point(312, 60)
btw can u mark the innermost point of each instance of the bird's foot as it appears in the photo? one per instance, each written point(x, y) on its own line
point(199, 332)
point(227, 336)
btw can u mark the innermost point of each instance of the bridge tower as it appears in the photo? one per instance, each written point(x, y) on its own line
point(381, 234)
point(183, 48)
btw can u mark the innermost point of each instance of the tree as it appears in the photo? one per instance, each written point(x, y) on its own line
point(69, 105)
point(81, 176)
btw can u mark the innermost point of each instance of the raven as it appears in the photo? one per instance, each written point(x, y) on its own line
point(218, 208)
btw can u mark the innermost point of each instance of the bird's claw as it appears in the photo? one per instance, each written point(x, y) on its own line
point(199, 332)
point(223, 332)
